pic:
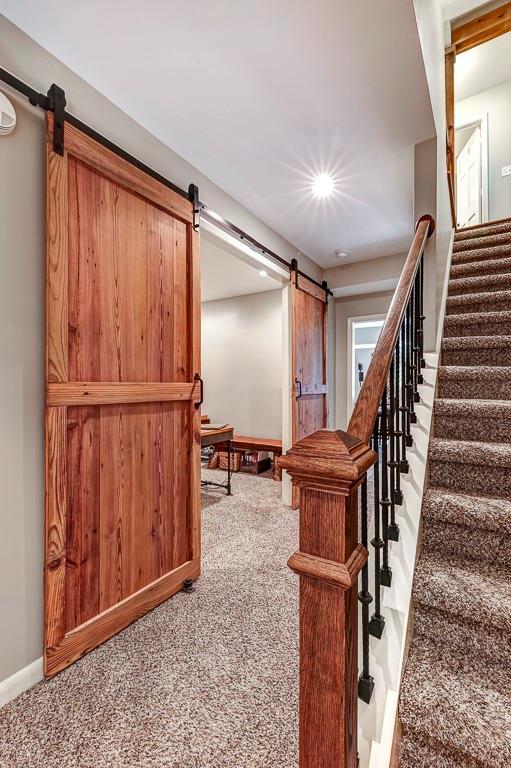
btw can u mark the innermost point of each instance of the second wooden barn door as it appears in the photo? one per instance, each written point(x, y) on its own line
point(122, 416)
point(309, 340)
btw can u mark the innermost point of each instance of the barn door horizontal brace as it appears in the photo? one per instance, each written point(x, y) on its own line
point(231, 229)
point(55, 101)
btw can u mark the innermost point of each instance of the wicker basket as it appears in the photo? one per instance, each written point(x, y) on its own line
point(235, 460)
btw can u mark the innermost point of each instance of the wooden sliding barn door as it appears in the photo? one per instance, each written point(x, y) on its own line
point(309, 342)
point(122, 415)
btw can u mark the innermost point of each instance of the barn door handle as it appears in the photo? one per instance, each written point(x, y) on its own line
point(197, 377)
point(297, 381)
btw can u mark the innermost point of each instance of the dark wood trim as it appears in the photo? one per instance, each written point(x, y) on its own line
point(481, 29)
point(327, 467)
point(368, 401)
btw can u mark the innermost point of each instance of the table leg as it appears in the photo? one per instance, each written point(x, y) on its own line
point(229, 493)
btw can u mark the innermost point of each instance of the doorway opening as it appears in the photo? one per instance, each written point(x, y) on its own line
point(363, 334)
point(478, 108)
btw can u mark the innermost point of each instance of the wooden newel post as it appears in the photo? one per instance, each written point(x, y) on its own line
point(327, 467)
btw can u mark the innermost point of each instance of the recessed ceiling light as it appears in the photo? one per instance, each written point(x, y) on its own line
point(263, 273)
point(342, 254)
point(323, 185)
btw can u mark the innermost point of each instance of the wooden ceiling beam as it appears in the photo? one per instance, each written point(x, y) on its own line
point(482, 28)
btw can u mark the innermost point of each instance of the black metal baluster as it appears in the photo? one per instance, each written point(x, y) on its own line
point(377, 622)
point(403, 464)
point(417, 378)
point(412, 418)
point(393, 532)
point(365, 681)
point(398, 494)
point(385, 573)
point(422, 316)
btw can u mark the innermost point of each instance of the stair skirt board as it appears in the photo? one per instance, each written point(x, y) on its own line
point(455, 703)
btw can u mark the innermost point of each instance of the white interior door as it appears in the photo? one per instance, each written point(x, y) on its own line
point(468, 176)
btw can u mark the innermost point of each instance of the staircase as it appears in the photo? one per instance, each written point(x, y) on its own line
point(455, 706)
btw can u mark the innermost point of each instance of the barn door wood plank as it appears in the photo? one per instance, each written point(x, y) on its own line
point(122, 415)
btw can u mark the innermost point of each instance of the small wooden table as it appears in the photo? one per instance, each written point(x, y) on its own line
point(214, 437)
point(261, 444)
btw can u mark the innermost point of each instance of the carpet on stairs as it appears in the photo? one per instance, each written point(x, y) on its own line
point(455, 701)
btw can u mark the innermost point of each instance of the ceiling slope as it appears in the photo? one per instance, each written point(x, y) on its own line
point(261, 96)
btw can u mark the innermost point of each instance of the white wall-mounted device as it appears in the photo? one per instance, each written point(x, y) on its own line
point(7, 116)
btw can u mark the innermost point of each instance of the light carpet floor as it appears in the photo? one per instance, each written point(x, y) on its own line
point(207, 680)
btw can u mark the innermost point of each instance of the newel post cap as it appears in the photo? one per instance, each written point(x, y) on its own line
point(328, 457)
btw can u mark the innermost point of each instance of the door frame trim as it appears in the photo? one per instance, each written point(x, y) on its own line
point(475, 32)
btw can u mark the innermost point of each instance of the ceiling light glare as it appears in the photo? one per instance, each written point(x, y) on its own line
point(263, 273)
point(323, 185)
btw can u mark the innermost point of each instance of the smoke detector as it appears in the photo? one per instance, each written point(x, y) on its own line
point(342, 254)
point(7, 116)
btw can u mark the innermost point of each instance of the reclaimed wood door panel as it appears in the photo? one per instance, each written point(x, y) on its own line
point(122, 415)
point(309, 342)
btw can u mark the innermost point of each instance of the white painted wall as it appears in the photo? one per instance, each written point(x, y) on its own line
point(430, 188)
point(351, 306)
point(22, 204)
point(242, 362)
point(496, 103)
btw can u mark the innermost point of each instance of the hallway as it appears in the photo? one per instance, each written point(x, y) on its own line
point(206, 680)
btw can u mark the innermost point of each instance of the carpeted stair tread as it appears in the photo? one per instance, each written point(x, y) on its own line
point(481, 243)
point(471, 452)
point(475, 381)
point(460, 707)
point(416, 752)
point(489, 253)
point(481, 512)
point(475, 419)
point(470, 591)
point(485, 301)
point(477, 350)
point(478, 324)
point(466, 526)
point(485, 267)
point(480, 284)
point(483, 231)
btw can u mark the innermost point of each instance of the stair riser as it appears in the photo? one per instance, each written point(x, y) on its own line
point(467, 478)
point(489, 430)
point(469, 389)
point(477, 329)
point(417, 753)
point(480, 269)
point(484, 231)
point(467, 543)
point(482, 243)
point(457, 306)
point(496, 357)
point(478, 256)
point(483, 284)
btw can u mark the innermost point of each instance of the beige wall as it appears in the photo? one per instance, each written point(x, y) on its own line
point(351, 306)
point(366, 276)
point(22, 319)
point(242, 362)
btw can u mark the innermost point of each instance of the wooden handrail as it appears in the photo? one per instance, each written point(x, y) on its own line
point(368, 401)
point(328, 468)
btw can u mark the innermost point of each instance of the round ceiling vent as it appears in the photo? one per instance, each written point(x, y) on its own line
point(7, 116)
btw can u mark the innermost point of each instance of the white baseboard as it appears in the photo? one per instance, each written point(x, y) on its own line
point(21, 681)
